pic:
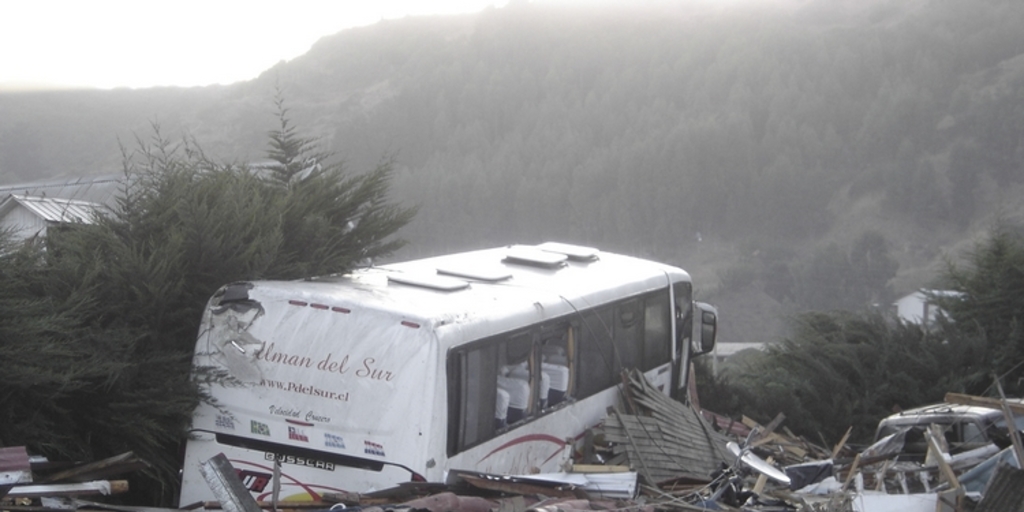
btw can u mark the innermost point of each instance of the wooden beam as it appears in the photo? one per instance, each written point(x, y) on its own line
point(936, 452)
point(104, 487)
point(841, 443)
point(1011, 425)
point(981, 401)
point(853, 471)
point(99, 470)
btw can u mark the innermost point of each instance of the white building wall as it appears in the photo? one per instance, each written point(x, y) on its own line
point(916, 308)
point(24, 223)
point(913, 309)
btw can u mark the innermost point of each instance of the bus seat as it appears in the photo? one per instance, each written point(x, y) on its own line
point(558, 376)
point(518, 397)
point(554, 354)
point(519, 371)
point(501, 409)
point(556, 366)
point(522, 371)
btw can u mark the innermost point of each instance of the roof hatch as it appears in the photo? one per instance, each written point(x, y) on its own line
point(490, 274)
point(574, 252)
point(433, 282)
point(533, 256)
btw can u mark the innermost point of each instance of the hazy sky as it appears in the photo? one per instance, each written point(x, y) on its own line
point(145, 43)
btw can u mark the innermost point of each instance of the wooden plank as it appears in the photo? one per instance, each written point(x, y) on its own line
point(625, 436)
point(750, 423)
point(667, 427)
point(667, 452)
point(1018, 448)
point(946, 471)
point(980, 401)
point(769, 439)
point(99, 470)
point(619, 460)
point(667, 460)
point(643, 467)
point(654, 447)
point(842, 442)
point(771, 426)
point(103, 487)
point(80, 504)
point(850, 475)
point(616, 433)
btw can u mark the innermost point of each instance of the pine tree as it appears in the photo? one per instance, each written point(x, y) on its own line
point(97, 329)
point(989, 308)
point(330, 221)
point(841, 369)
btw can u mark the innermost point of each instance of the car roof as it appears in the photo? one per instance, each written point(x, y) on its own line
point(944, 413)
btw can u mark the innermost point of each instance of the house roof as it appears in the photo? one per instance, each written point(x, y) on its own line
point(52, 209)
point(94, 189)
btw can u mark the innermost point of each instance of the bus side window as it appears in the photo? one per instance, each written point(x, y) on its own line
point(628, 341)
point(515, 376)
point(478, 395)
point(657, 331)
point(596, 355)
point(556, 364)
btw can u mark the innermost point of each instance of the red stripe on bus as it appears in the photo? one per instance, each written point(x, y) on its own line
point(527, 439)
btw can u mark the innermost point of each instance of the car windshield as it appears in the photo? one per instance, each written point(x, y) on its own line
point(1001, 423)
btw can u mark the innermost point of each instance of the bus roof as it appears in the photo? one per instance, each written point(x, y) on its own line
point(516, 285)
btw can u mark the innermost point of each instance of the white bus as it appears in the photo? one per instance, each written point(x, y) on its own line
point(495, 361)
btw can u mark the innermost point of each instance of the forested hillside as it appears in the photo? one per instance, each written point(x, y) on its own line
point(819, 153)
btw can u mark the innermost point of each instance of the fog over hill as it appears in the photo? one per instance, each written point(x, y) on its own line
point(818, 155)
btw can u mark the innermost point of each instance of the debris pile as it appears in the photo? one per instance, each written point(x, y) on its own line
point(655, 455)
point(35, 483)
point(663, 455)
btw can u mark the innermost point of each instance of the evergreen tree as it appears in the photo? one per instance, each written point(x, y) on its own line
point(990, 306)
point(97, 329)
point(843, 369)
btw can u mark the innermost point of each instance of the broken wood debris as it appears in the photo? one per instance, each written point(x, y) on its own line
point(35, 483)
point(661, 455)
point(116, 465)
point(654, 455)
point(875, 479)
point(98, 487)
point(664, 440)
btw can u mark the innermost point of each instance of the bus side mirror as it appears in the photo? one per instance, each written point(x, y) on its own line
point(705, 339)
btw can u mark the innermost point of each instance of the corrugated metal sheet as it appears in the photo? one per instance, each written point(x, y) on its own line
point(52, 209)
point(94, 189)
